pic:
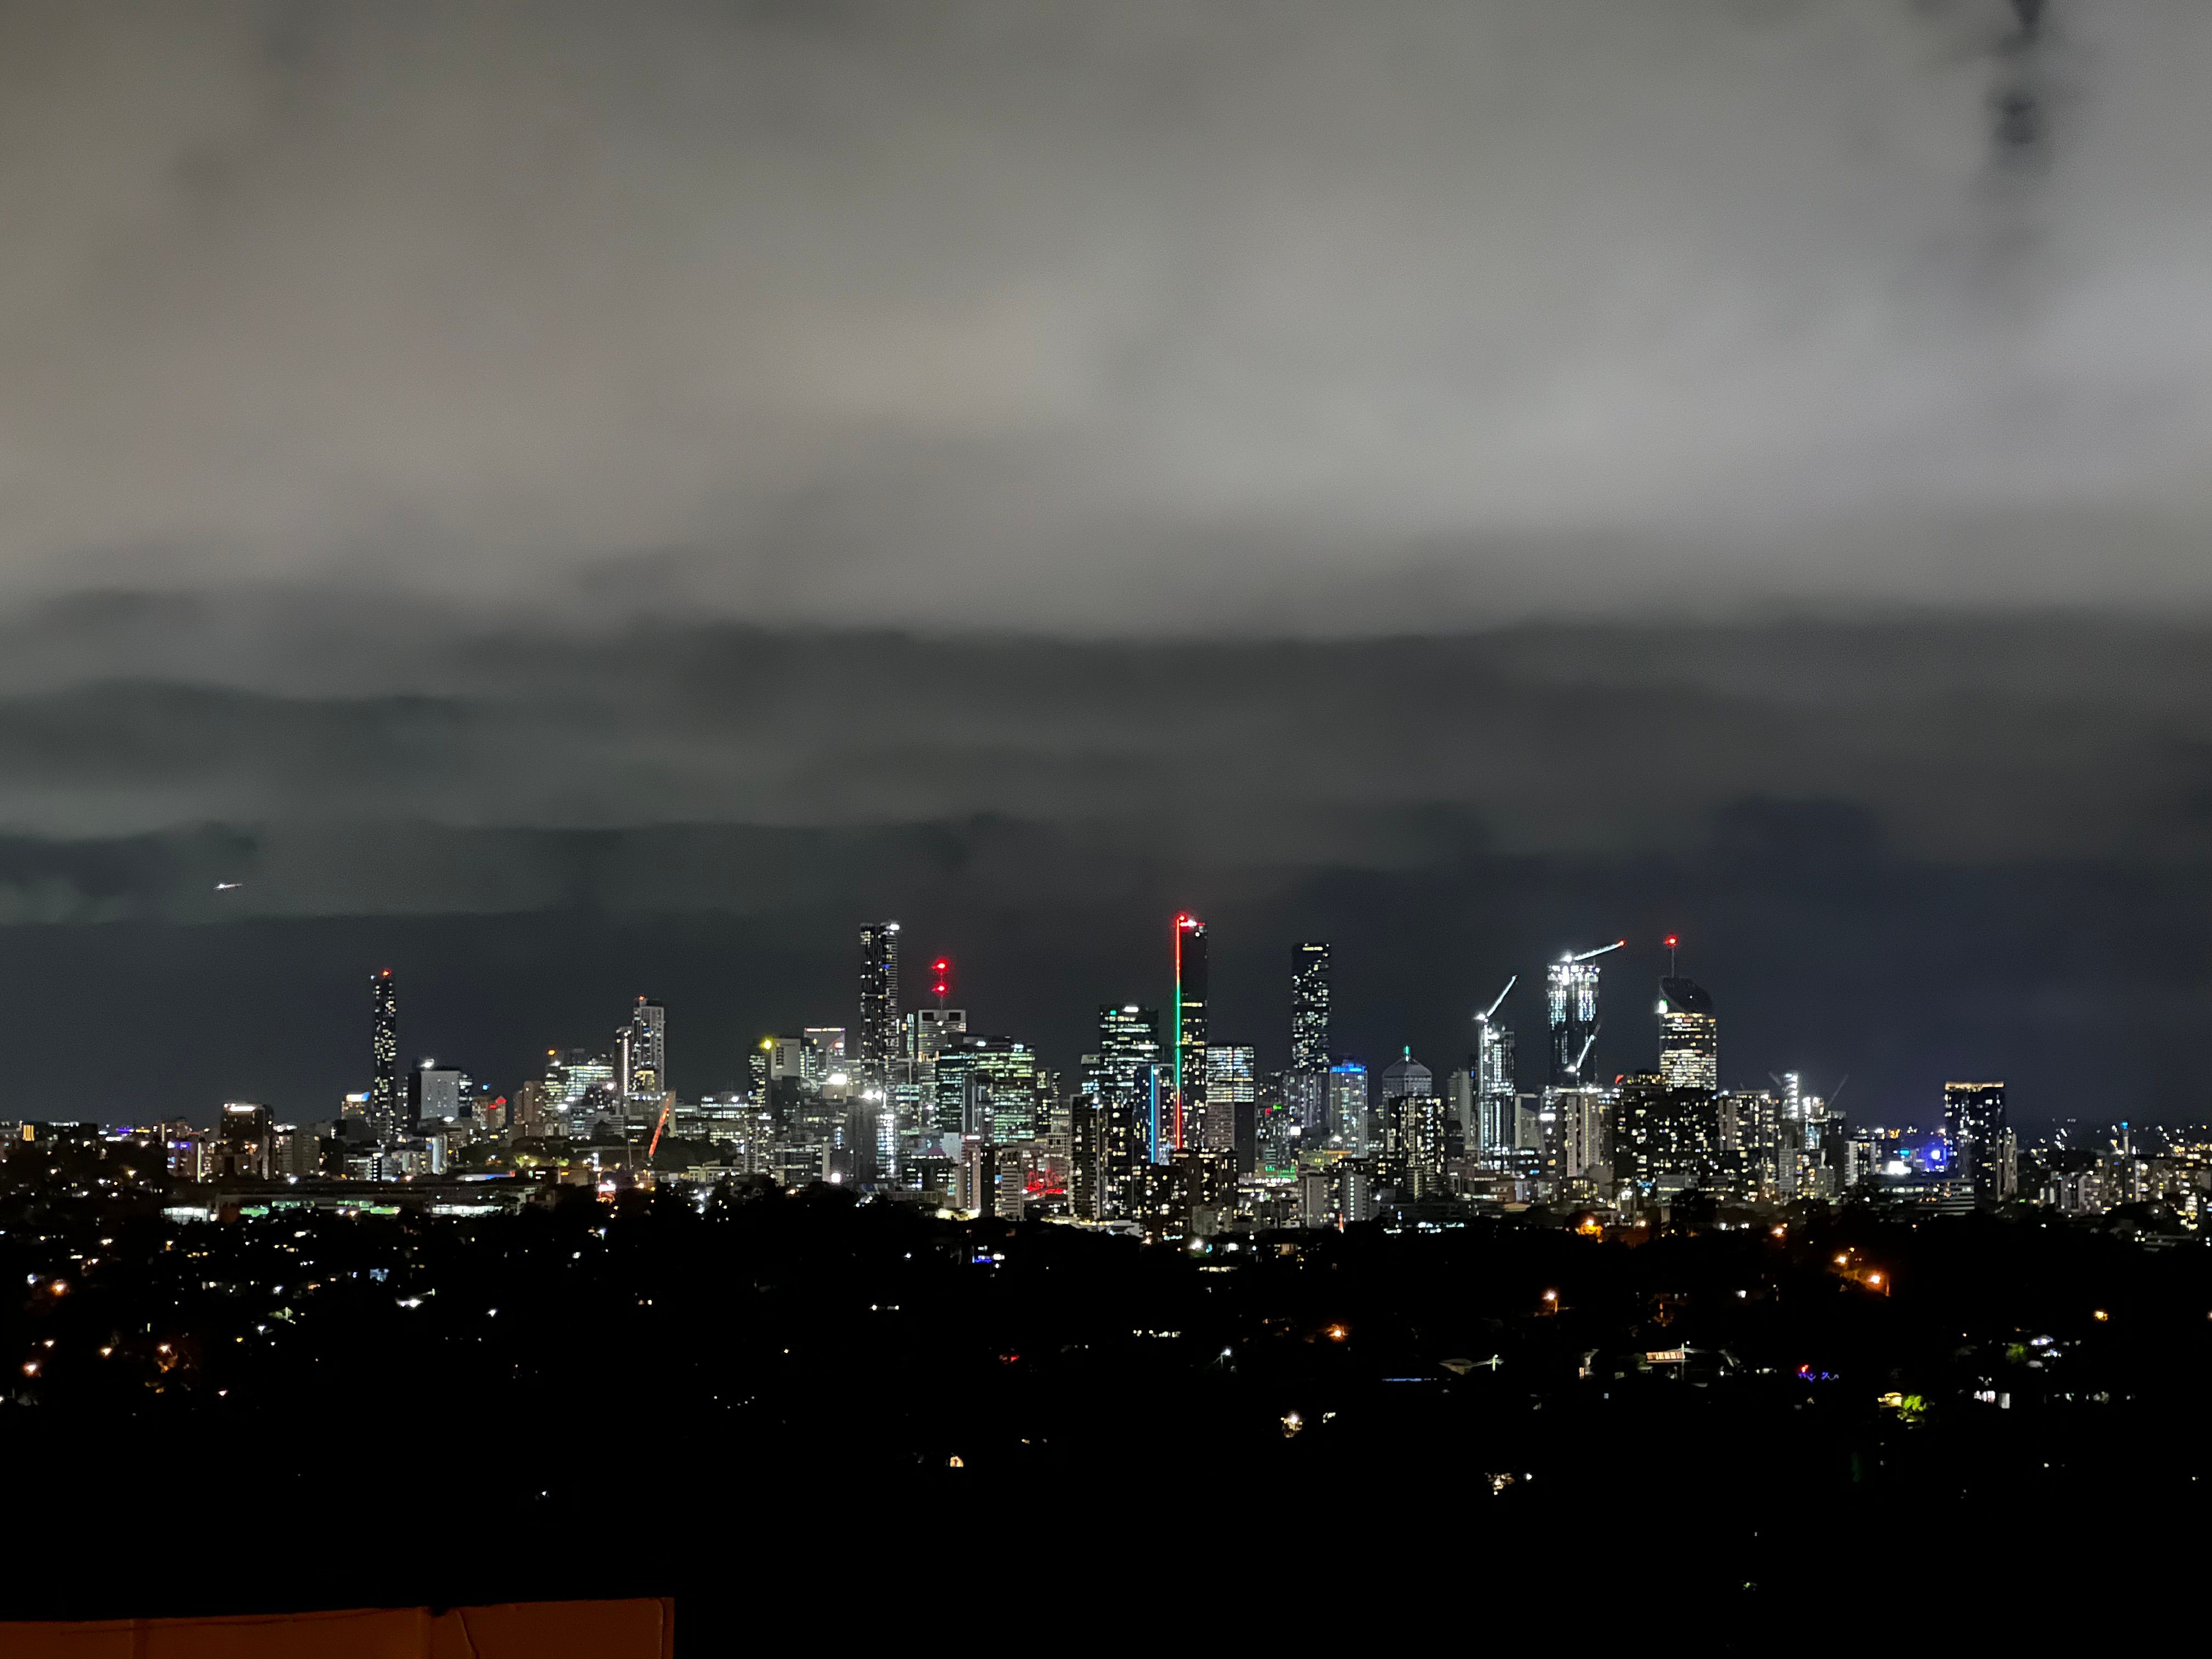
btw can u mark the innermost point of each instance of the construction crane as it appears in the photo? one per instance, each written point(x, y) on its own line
point(1483, 1018)
point(1600, 951)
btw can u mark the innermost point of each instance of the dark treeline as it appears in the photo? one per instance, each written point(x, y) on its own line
point(644, 1397)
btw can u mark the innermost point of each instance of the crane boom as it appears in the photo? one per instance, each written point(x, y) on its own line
point(1483, 1018)
point(1600, 951)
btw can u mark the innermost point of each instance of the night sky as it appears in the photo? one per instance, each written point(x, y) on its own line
point(575, 502)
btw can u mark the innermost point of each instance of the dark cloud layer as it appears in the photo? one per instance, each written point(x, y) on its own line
point(575, 499)
point(1897, 847)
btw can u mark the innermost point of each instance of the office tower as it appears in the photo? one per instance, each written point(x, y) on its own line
point(880, 1044)
point(1974, 1119)
point(1463, 1110)
point(1309, 1007)
point(435, 1093)
point(1570, 985)
point(1347, 1106)
point(822, 1053)
point(243, 1142)
point(928, 1030)
point(1406, 1076)
point(385, 1121)
point(1128, 1072)
point(991, 1088)
point(1189, 1029)
point(1305, 1102)
point(1689, 1036)
point(1231, 1092)
point(648, 1049)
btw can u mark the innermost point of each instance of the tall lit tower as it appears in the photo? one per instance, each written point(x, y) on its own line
point(1493, 1077)
point(1572, 983)
point(1689, 1036)
point(880, 1040)
point(1189, 1028)
point(384, 1122)
point(1310, 1007)
point(648, 1049)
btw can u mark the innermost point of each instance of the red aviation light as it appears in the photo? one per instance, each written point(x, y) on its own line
point(1672, 941)
point(1185, 920)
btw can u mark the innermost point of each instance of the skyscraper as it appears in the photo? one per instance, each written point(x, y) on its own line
point(1347, 1106)
point(1405, 1076)
point(1309, 1007)
point(1231, 1092)
point(1189, 1029)
point(1572, 985)
point(385, 1121)
point(648, 1049)
point(880, 1039)
point(1689, 1036)
point(1493, 1087)
point(1974, 1119)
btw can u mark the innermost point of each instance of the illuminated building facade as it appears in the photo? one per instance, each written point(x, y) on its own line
point(384, 1107)
point(1309, 1007)
point(1493, 1088)
point(648, 1049)
point(1190, 980)
point(1974, 1121)
point(1231, 1093)
point(1570, 987)
point(243, 1143)
point(1347, 1108)
point(991, 1088)
point(1689, 1036)
point(881, 1045)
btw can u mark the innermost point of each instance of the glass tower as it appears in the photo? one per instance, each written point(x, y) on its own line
point(648, 1049)
point(881, 1040)
point(1189, 1029)
point(1309, 1007)
point(1689, 1036)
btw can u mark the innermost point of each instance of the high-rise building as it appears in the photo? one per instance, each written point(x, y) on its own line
point(1493, 1088)
point(436, 1093)
point(991, 1088)
point(1406, 1076)
point(1189, 1029)
point(648, 1049)
point(384, 1103)
point(1570, 985)
point(1231, 1092)
point(1981, 1142)
point(928, 1030)
point(822, 1053)
point(1310, 1007)
point(1129, 1074)
point(1305, 1102)
point(880, 1043)
point(1347, 1106)
point(1689, 1036)
point(243, 1142)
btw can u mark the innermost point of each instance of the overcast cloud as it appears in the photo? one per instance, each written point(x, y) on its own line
point(1111, 318)
point(571, 499)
